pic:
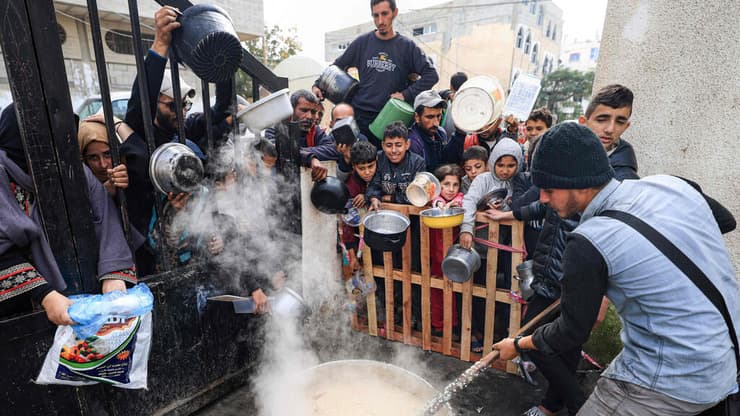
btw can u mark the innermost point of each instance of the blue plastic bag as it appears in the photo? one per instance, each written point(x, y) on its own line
point(90, 312)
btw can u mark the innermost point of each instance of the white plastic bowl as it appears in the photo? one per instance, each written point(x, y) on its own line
point(266, 112)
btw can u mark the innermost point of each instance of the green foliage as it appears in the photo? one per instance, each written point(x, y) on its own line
point(275, 45)
point(604, 343)
point(564, 89)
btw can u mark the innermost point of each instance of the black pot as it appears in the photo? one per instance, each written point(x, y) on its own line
point(207, 42)
point(330, 195)
point(491, 197)
point(385, 230)
point(336, 85)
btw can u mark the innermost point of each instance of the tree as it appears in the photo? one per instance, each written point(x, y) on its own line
point(563, 90)
point(275, 45)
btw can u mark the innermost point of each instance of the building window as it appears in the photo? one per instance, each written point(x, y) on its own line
point(549, 29)
point(519, 38)
point(544, 64)
point(528, 43)
point(533, 7)
point(62, 34)
point(541, 16)
point(343, 46)
point(123, 42)
point(574, 57)
point(594, 55)
point(535, 50)
point(424, 30)
point(554, 32)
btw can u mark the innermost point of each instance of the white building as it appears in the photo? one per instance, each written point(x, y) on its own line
point(79, 58)
point(476, 37)
point(581, 55)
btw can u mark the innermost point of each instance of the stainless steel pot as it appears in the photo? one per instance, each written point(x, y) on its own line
point(173, 167)
point(460, 263)
point(525, 275)
point(320, 380)
point(385, 230)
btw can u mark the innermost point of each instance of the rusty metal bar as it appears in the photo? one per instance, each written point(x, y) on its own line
point(92, 8)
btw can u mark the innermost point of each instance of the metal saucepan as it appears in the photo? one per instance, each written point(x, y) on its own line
point(174, 167)
point(525, 275)
point(385, 230)
point(330, 196)
point(460, 263)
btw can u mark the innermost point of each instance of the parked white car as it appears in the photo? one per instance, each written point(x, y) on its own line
point(94, 104)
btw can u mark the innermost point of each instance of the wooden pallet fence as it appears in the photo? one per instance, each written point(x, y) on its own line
point(468, 290)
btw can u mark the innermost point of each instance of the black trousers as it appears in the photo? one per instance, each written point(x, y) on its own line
point(559, 369)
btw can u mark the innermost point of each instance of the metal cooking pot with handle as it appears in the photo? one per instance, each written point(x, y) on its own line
point(460, 263)
point(174, 167)
point(385, 230)
point(525, 275)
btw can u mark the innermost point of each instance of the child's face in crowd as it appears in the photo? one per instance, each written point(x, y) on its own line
point(366, 171)
point(505, 167)
point(608, 123)
point(268, 161)
point(474, 167)
point(450, 187)
point(395, 148)
point(535, 128)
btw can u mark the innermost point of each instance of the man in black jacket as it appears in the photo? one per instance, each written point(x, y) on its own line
point(608, 116)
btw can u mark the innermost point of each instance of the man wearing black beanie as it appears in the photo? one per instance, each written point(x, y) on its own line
point(678, 356)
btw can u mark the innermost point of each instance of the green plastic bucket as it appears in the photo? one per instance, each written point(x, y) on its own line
point(393, 110)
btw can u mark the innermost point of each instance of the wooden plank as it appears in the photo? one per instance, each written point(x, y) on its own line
point(426, 317)
point(372, 313)
point(447, 298)
point(406, 291)
point(515, 308)
point(491, 267)
point(466, 319)
point(388, 278)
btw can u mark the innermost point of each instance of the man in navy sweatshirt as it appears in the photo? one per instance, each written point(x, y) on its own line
point(385, 60)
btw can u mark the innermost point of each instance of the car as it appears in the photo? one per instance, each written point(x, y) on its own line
point(94, 104)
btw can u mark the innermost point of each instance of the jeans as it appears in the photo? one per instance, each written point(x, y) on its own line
point(559, 369)
point(616, 397)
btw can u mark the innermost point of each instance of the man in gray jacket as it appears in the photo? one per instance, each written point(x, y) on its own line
point(678, 357)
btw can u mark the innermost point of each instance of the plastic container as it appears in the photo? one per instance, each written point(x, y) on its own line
point(477, 104)
point(207, 42)
point(266, 112)
point(423, 189)
point(336, 85)
point(442, 218)
point(393, 110)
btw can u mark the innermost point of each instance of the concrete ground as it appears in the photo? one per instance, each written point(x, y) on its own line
point(493, 393)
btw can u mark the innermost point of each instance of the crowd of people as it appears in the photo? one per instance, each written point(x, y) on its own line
point(563, 180)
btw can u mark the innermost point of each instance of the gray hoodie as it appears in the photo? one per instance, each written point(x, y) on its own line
point(488, 181)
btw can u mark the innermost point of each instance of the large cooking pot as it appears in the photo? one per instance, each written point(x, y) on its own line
point(207, 42)
point(357, 387)
point(492, 198)
point(330, 195)
point(174, 167)
point(267, 111)
point(336, 85)
point(385, 230)
point(460, 263)
point(477, 104)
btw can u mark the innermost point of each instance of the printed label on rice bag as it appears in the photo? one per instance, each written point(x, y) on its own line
point(104, 357)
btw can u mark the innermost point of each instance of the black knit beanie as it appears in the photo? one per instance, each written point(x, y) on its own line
point(570, 156)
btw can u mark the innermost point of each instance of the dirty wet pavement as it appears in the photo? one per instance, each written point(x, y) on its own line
point(493, 393)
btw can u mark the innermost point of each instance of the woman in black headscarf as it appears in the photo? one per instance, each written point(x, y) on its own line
point(28, 270)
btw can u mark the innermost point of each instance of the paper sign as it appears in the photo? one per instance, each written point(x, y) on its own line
point(522, 97)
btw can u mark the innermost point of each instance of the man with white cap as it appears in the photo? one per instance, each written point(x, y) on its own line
point(427, 139)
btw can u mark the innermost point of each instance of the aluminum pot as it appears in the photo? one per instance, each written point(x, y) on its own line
point(287, 303)
point(460, 263)
point(322, 379)
point(385, 230)
point(174, 167)
point(336, 85)
point(525, 275)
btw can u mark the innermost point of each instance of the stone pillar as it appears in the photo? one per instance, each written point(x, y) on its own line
point(682, 60)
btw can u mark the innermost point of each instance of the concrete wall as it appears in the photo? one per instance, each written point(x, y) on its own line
point(681, 60)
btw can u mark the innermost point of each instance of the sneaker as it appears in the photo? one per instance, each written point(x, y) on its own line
point(534, 411)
